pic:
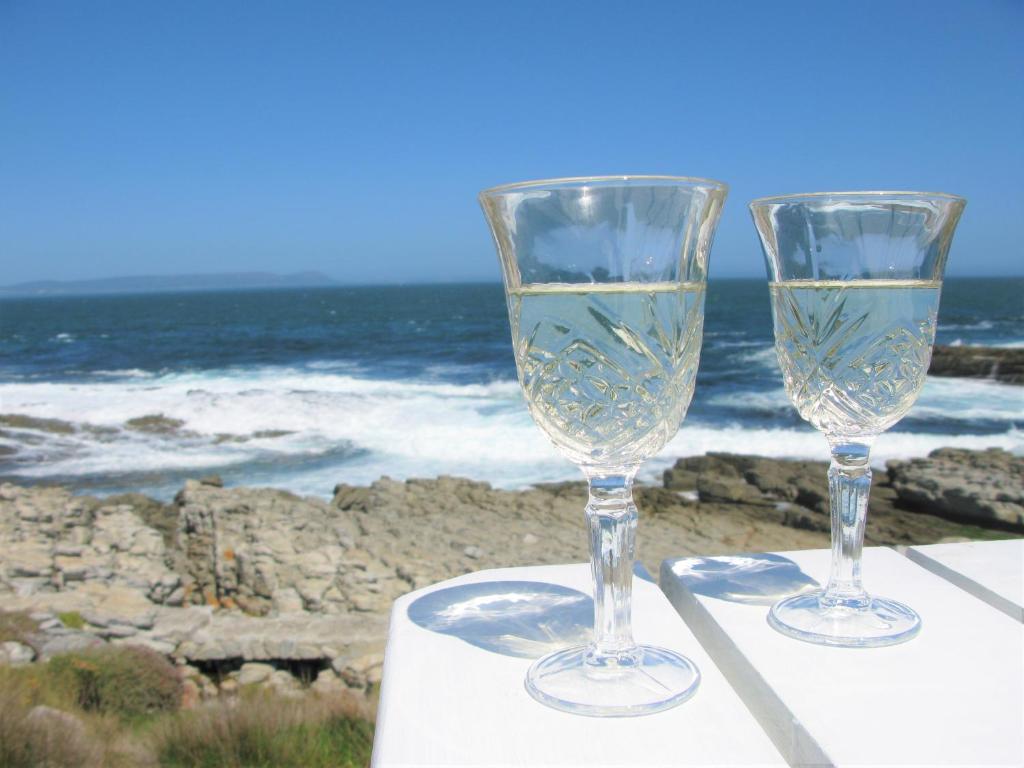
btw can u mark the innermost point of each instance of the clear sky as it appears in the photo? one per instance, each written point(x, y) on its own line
point(352, 138)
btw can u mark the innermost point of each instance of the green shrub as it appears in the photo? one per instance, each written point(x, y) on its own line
point(129, 681)
point(71, 619)
point(262, 730)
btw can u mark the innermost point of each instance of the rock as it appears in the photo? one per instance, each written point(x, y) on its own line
point(120, 606)
point(160, 646)
point(286, 600)
point(57, 721)
point(236, 577)
point(253, 673)
point(30, 559)
point(215, 480)
point(68, 643)
point(312, 591)
point(361, 671)
point(734, 491)
point(191, 694)
point(680, 479)
point(117, 631)
point(161, 517)
point(289, 637)
point(977, 486)
point(155, 424)
point(328, 684)
point(228, 687)
point(1001, 364)
point(177, 625)
point(15, 654)
point(284, 684)
point(248, 545)
point(19, 421)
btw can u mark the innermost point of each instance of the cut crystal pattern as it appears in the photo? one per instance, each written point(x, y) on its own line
point(609, 376)
point(854, 358)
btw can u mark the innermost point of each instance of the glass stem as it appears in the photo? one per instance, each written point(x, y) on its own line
point(611, 518)
point(849, 484)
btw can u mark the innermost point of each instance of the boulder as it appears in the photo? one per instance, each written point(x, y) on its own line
point(975, 486)
point(328, 684)
point(291, 637)
point(69, 642)
point(253, 673)
point(284, 684)
point(1000, 364)
point(57, 721)
point(361, 671)
point(14, 654)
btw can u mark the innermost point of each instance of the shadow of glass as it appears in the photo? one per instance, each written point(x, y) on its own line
point(525, 619)
point(761, 579)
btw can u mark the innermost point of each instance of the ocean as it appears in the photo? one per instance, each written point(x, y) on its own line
point(305, 388)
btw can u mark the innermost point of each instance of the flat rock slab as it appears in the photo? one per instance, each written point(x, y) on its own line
point(457, 656)
point(954, 695)
point(289, 637)
point(992, 571)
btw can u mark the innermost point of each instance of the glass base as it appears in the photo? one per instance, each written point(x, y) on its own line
point(648, 680)
point(867, 623)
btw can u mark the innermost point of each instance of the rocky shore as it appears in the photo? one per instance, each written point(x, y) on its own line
point(247, 586)
point(999, 364)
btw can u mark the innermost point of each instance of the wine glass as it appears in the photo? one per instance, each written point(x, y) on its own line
point(604, 279)
point(855, 283)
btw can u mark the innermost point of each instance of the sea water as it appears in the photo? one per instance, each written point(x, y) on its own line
point(305, 388)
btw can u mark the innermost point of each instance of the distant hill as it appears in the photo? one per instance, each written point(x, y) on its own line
point(228, 281)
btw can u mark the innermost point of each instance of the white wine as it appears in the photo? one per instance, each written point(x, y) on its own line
point(854, 354)
point(608, 369)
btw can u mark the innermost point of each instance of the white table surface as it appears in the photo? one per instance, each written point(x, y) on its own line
point(952, 696)
point(992, 571)
point(453, 695)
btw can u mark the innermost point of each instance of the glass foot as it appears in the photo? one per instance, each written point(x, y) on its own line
point(650, 680)
point(875, 623)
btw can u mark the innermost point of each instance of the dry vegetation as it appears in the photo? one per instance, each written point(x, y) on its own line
point(262, 730)
point(118, 706)
point(16, 626)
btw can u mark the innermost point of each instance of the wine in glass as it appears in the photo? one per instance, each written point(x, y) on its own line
point(604, 279)
point(855, 283)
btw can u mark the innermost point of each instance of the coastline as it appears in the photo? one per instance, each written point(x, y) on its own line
point(300, 389)
point(222, 579)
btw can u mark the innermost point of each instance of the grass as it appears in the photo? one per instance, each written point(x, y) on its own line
point(16, 626)
point(71, 619)
point(265, 731)
point(27, 740)
point(121, 720)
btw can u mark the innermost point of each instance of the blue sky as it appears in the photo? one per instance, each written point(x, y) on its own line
point(352, 138)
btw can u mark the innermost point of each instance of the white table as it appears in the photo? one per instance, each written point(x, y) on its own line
point(952, 696)
point(453, 692)
point(992, 571)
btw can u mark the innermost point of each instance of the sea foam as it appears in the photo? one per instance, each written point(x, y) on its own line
point(306, 430)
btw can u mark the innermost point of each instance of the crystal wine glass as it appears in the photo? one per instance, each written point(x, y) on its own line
point(604, 279)
point(855, 282)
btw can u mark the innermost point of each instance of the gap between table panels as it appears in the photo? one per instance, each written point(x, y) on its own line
point(951, 696)
point(1006, 556)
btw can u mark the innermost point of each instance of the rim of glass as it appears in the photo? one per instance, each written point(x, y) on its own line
point(625, 179)
point(856, 196)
